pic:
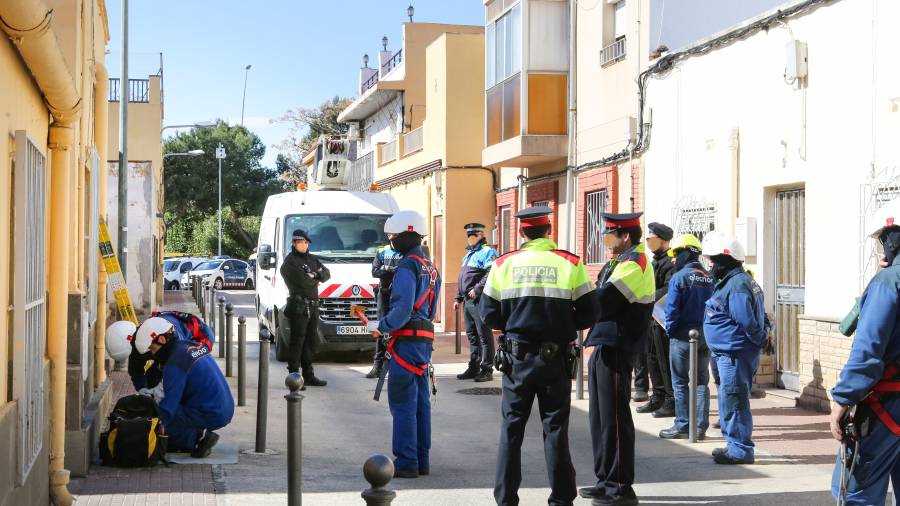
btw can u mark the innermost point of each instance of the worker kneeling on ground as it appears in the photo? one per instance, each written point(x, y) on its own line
point(197, 399)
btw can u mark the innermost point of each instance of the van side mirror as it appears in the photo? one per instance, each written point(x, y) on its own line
point(266, 260)
point(264, 248)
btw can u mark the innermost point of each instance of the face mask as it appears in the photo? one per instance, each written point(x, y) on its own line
point(406, 241)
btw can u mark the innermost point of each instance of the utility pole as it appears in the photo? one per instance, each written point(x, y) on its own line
point(124, 91)
point(220, 154)
point(244, 99)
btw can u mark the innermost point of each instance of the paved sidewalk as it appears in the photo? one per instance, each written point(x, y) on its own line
point(175, 485)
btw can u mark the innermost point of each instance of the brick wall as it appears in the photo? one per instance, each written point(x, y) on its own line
point(606, 178)
point(508, 198)
point(549, 191)
point(823, 353)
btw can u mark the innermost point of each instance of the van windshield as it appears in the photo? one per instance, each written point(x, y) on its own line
point(336, 236)
point(170, 265)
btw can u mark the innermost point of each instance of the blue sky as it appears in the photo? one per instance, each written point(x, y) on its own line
point(302, 51)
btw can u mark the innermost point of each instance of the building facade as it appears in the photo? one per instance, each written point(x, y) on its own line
point(418, 118)
point(53, 112)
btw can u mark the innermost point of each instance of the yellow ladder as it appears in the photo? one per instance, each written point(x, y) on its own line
point(114, 273)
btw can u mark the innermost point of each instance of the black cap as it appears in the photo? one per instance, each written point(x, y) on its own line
point(662, 231)
point(534, 216)
point(474, 227)
point(619, 221)
point(299, 233)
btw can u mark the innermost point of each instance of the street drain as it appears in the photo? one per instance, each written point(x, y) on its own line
point(480, 391)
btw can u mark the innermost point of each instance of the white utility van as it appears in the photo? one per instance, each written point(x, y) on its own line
point(346, 229)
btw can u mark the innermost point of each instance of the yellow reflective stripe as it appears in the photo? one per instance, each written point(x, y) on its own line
point(581, 290)
point(630, 295)
point(536, 291)
point(151, 443)
point(111, 441)
point(635, 283)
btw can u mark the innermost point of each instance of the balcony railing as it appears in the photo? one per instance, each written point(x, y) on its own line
point(388, 152)
point(413, 141)
point(391, 64)
point(613, 52)
point(138, 90)
point(372, 81)
point(362, 173)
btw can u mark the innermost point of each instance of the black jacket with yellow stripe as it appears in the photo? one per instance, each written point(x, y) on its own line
point(538, 293)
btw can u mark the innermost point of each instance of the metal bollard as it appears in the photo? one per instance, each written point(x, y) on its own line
point(229, 339)
point(242, 361)
point(206, 301)
point(211, 320)
point(262, 391)
point(458, 334)
point(220, 327)
point(579, 381)
point(378, 471)
point(211, 302)
point(295, 438)
point(692, 387)
point(193, 287)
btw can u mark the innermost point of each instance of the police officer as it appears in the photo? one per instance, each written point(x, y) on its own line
point(872, 365)
point(539, 296)
point(197, 398)
point(662, 402)
point(414, 295)
point(735, 328)
point(691, 286)
point(476, 264)
point(383, 267)
point(624, 297)
point(302, 272)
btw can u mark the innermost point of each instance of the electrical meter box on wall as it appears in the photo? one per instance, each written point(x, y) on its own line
point(745, 232)
point(795, 66)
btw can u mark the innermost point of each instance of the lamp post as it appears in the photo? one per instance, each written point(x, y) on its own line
point(124, 92)
point(409, 12)
point(193, 152)
point(199, 124)
point(244, 99)
point(220, 154)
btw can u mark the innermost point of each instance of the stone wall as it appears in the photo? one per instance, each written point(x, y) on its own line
point(823, 352)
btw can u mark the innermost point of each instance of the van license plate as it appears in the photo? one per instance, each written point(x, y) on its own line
point(347, 330)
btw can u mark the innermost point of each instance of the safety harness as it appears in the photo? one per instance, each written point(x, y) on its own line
point(888, 384)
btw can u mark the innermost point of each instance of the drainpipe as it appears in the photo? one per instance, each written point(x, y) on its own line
point(572, 125)
point(28, 23)
point(101, 139)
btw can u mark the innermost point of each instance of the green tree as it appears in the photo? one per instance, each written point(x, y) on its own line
point(291, 172)
point(307, 124)
point(192, 186)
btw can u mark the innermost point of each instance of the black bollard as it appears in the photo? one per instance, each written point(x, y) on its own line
point(692, 386)
point(458, 332)
point(262, 391)
point(193, 287)
point(220, 327)
point(229, 342)
point(378, 471)
point(295, 438)
point(242, 361)
point(210, 302)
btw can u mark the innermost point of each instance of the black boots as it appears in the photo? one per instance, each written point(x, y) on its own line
point(486, 374)
point(666, 409)
point(205, 445)
point(310, 380)
point(470, 373)
point(375, 371)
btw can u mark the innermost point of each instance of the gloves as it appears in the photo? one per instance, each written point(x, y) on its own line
point(156, 392)
point(502, 358)
point(372, 326)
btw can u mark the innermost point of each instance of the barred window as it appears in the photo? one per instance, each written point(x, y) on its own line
point(594, 250)
point(539, 203)
point(694, 218)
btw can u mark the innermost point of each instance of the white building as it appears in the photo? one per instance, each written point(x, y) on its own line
point(787, 139)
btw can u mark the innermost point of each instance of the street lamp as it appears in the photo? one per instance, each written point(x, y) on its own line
point(199, 124)
point(366, 60)
point(193, 152)
point(384, 42)
point(409, 12)
point(244, 99)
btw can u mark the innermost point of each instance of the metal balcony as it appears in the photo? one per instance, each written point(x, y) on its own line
point(613, 52)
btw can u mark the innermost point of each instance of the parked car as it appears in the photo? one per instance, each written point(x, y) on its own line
point(174, 269)
point(222, 274)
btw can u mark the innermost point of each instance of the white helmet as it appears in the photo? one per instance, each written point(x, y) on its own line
point(888, 215)
point(118, 339)
point(406, 221)
point(149, 331)
point(718, 244)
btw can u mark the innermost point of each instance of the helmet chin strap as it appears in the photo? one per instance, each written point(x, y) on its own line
point(890, 241)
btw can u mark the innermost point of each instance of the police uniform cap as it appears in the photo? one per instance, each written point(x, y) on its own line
point(619, 221)
point(534, 216)
point(474, 227)
point(298, 234)
point(664, 232)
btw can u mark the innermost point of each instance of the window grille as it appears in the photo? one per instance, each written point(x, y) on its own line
point(29, 303)
point(698, 218)
point(539, 203)
point(594, 250)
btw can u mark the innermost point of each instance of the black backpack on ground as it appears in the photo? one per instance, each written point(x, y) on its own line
point(136, 437)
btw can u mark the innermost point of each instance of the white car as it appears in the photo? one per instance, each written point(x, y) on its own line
point(222, 274)
point(174, 269)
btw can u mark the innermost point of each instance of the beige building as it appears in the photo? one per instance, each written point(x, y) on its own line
point(419, 123)
point(146, 231)
point(53, 115)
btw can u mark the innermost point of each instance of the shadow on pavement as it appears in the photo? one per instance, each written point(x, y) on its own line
point(794, 498)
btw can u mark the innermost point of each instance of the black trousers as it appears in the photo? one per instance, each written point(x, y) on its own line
point(481, 337)
point(304, 321)
point(641, 374)
point(658, 363)
point(609, 412)
point(532, 377)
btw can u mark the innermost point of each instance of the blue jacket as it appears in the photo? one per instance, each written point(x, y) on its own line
point(476, 265)
point(877, 341)
point(736, 318)
point(384, 264)
point(411, 283)
point(689, 289)
point(144, 376)
point(194, 387)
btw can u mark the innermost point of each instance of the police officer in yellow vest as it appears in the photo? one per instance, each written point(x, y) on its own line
point(539, 296)
point(624, 302)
